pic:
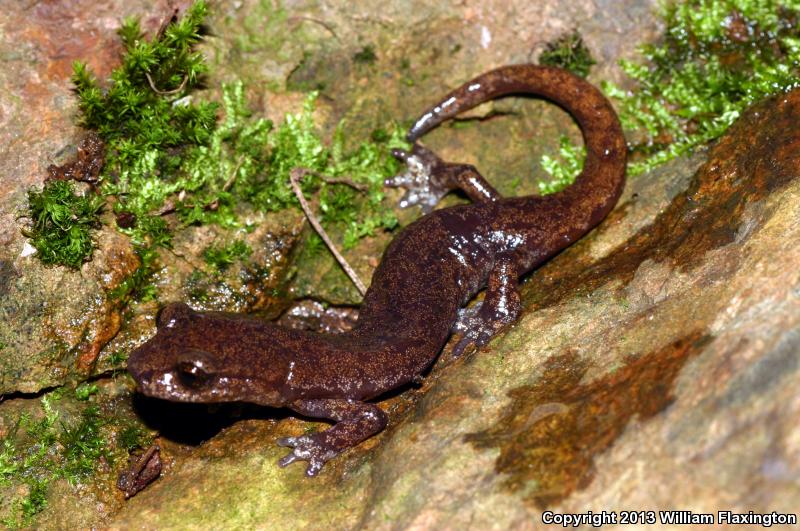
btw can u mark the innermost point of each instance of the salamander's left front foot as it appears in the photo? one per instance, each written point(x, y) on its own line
point(355, 421)
point(307, 448)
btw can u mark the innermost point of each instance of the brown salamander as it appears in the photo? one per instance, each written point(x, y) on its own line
point(427, 274)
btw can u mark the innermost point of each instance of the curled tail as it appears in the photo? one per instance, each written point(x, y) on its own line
point(603, 177)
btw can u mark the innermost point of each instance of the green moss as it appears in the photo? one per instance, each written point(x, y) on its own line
point(169, 155)
point(36, 500)
point(62, 222)
point(313, 246)
point(117, 358)
point(138, 285)
point(166, 152)
point(569, 52)
point(83, 446)
point(85, 390)
point(365, 55)
point(29, 464)
point(563, 169)
point(146, 121)
point(42, 447)
point(8, 463)
point(220, 257)
point(716, 59)
point(132, 437)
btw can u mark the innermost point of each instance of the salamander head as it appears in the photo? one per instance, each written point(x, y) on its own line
point(198, 357)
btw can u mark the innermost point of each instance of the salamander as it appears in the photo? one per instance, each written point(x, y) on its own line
point(416, 298)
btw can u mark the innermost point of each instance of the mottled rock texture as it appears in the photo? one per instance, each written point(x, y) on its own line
point(656, 361)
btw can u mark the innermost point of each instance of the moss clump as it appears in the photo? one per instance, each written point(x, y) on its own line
point(220, 257)
point(85, 390)
point(564, 169)
point(29, 465)
point(716, 59)
point(42, 447)
point(117, 360)
point(132, 437)
point(366, 55)
point(569, 52)
point(167, 153)
point(8, 463)
point(170, 161)
point(62, 222)
point(83, 446)
point(146, 128)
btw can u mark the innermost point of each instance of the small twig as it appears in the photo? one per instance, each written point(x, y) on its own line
point(145, 457)
point(295, 176)
point(325, 25)
point(336, 180)
point(168, 208)
point(166, 92)
point(166, 22)
point(213, 205)
point(235, 172)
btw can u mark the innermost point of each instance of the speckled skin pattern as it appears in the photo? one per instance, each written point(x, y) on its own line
point(427, 274)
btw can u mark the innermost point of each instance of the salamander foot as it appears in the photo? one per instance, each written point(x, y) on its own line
point(420, 180)
point(307, 448)
point(355, 421)
point(477, 328)
point(500, 307)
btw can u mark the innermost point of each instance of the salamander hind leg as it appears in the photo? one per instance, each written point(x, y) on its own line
point(428, 178)
point(500, 306)
point(355, 422)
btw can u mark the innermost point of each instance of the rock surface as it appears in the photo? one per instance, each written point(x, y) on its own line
point(655, 365)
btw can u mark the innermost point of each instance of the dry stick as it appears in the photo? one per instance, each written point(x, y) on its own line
point(235, 172)
point(328, 27)
point(335, 180)
point(166, 92)
point(295, 176)
point(213, 205)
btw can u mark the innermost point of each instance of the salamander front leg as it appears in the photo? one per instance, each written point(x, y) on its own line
point(428, 178)
point(500, 307)
point(355, 421)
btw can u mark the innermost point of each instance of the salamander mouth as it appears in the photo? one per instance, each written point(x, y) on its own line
point(171, 386)
point(135, 367)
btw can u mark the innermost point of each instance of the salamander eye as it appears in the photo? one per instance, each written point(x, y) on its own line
point(195, 369)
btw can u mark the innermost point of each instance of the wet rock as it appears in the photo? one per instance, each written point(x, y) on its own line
point(53, 322)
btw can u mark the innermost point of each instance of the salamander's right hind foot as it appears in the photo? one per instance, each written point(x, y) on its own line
point(501, 306)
